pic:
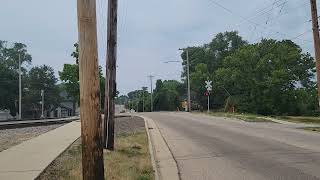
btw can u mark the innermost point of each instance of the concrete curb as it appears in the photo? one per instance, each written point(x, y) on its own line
point(151, 151)
point(163, 162)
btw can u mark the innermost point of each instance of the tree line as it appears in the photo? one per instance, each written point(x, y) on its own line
point(35, 79)
point(270, 77)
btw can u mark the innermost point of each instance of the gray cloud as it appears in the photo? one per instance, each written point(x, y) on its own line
point(150, 32)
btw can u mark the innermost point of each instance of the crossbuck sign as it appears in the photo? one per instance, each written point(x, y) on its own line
point(208, 85)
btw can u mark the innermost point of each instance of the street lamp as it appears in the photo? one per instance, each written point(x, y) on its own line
point(188, 77)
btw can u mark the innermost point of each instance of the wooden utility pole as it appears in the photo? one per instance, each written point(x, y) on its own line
point(316, 38)
point(111, 87)
point(188, 77)
point(151, 93)
point(91, 128)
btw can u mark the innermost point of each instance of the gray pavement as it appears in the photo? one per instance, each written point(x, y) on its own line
point(226, 149)
point(27, 160)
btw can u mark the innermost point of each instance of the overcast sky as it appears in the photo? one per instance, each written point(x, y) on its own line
point(150, 32)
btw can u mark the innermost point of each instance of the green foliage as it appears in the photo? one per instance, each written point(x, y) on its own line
point(212, 54)
point(75, 53)
point(8, 88)
point(40, 78)
point(70, 78)
point(138, 100)
point(166, 95)
point(197, 79)
point(205, 60)
point(270, 77)
point(122, 100)
point(9, 68)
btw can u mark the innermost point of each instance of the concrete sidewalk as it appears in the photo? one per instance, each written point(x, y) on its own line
point(28, 159)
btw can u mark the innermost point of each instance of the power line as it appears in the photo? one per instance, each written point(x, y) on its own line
point(246, 19)
point(260, 12)
point(102, 30)
point(296, 37)
point(291, 10)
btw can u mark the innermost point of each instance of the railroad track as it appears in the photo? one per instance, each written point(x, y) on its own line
point(39, 122)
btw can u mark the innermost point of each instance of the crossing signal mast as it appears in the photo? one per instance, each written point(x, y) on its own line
point(209, 88)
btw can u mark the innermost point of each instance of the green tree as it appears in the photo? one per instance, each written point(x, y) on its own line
point(40, 78)
point(269, 77)
point(122, 100)
point(167, 95)
point(9, 67)
point(137, 98)
point(8, 89)
point(70, 78)
point(197, 79)
point(211, 55)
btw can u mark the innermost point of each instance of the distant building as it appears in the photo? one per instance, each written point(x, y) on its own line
point(68, 107)
point(119, 109)
point(5, 115)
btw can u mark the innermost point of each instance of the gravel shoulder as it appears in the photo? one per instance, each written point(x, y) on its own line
point(127, 125)
point(12, 137)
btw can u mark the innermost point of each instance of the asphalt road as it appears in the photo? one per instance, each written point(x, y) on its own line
point(226, 149)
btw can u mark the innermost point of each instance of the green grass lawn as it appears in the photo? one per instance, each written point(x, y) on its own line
point(314, 129)
point(260, 118)
point(129, 161)
point(300, 119)
point(244, 117)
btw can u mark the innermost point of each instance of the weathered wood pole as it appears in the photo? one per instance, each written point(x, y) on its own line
point(111, 64)
point(91, 127)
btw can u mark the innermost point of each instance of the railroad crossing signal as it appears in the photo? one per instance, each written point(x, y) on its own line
point(209, 88)
point(208, 85)
point(207, 93)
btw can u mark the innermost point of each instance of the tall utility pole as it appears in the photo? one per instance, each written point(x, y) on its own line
point(151, 105)
point(20, 90)
point(188, 77)
point(144, 89)
point(316, 38)
point(137, 106)
point(42, 103)
point(111, 87)
point(189, 91)
point(91, 127)
point(142, 100)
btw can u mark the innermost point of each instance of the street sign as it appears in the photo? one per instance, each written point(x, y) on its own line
point(208, 85)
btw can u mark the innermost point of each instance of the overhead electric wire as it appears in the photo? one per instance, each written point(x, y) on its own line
point(248, 20)
point(102, 30)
